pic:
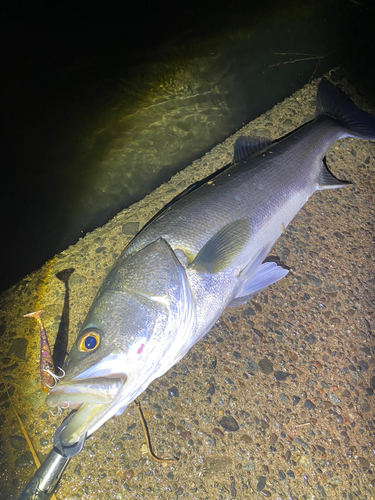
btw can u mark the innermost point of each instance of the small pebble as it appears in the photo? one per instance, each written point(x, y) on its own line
point(229, 424)
point(217, 432)
point(362, 366)
point(282, 475)
point(273, 438)
point(173, 392)
point(249, 311)
point(18, 348)
point(280, 376)
point(130, 228)
point(309, 405)
point(365, 408)
point(296, 400)
point(261, 483)
point(366, 350)
point(25, 460)
point(18, 442)
point(265, 366)
point(334, 399)
point(314, 280)
point(186, 435)
point(180, 491)
point(246, 439)
point(77, 470)
point(249, 466)
point(211, 390)
point(251, 365)
point(320, 488)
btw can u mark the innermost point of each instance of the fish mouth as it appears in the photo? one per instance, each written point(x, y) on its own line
point(95, 399)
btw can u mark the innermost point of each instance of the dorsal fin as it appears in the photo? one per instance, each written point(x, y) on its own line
point(246, 146)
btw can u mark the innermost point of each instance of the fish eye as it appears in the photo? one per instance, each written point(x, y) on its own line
point(89, 341)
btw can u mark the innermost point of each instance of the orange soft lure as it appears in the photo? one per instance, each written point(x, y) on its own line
point(48, 378)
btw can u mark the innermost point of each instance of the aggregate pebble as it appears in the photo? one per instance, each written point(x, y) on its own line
point(296, 400)
point(211, 389)
point(229, 424)
point(280, 376)
point(251, 365)
point(315, 281)
point(17, 442)
point(261, 483)
point(363, 366)
point(246, 439)
point(273, 438)
point(265, 366)
point(281, 475)
point(363, 462)
point(173, 392)
point(334, 399)
point(309, 405)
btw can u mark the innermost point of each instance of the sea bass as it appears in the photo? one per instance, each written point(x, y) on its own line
point(201, 254)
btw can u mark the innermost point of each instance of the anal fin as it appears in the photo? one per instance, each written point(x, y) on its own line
point(265, 275)
point(327, 180)
point(257, 276)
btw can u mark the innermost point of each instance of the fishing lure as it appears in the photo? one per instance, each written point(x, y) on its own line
point(48, 378)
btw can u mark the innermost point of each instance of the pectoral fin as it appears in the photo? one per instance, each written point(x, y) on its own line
point(223, 248)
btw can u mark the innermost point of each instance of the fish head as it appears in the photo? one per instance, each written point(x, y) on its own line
point(138, 326)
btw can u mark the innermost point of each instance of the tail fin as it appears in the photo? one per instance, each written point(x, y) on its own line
point(334, 102)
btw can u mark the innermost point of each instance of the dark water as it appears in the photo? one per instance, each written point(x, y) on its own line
point(102, 102)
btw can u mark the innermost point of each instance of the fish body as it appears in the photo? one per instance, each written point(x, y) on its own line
point(202, 254)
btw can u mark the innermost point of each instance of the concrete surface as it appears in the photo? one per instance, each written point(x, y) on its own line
point(275, 401)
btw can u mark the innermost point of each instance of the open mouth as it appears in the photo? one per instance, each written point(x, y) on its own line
point(92, 397)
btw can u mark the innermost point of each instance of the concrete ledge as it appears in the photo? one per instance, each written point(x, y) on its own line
point(316, 326)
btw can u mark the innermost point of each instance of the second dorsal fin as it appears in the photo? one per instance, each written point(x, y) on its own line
point(246, 146)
